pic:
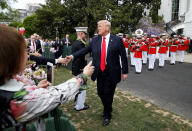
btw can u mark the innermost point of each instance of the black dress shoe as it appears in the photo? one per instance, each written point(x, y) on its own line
point(150, 69)
point(144, 64)
point(84, 108)
point(160, 66)
point(106, 121)
point(180, 62)
point(132, 65)
point(172, 63)
point(137, 72)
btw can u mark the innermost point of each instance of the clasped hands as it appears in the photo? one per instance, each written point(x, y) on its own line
point(88, 69)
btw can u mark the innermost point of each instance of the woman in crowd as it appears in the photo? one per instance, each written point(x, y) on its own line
point(21, 102)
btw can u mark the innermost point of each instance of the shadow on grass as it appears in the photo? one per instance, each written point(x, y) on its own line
point(129, 112)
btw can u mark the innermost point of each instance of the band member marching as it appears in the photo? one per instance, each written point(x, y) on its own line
point(163, 50)
point(132, 50)
point(145, 49)
point(138, 54)
point(173, 49)
point(152, 52)
point(125, 42)
point(182, 46)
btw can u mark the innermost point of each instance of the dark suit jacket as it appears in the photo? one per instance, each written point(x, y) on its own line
point(41, 60)
point(115, 49)
point(38, 45)
point(79, 63)
point(64, 40)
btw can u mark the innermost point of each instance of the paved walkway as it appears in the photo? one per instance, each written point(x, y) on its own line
point(169, 87)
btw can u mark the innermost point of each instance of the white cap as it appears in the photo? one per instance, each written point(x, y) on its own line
point(153, 36)
point(139, 36)
point(145, 34)
point(120, 34)
point(163, 34)
point(175, 36)
point(81, 29)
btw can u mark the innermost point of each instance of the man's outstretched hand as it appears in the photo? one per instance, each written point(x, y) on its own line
point(68, 59)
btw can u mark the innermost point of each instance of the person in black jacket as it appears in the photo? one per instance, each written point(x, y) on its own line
point(190, 45)
point(66, 40)
point(34, 45)
point(43, 61)
point(78, 65)
point(106, 49)
point(58, 45)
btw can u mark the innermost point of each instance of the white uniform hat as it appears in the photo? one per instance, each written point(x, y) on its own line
point(139, 36)
point(153, 36)
point(120, 34)
point(163, 34)
point(175, 36)
point(81, 29)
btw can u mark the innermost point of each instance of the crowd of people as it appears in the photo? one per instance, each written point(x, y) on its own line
point(144, 47)
point(22, 102)
point(37, 44)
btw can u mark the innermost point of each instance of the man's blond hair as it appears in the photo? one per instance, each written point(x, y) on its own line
point(106, 23)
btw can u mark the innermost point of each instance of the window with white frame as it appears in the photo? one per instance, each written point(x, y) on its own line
point(175, 9)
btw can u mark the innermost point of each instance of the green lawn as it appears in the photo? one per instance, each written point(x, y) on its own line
point(129, 112)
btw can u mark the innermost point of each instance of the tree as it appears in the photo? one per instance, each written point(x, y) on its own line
point(9, 14)
point(16, 24)
point(29, 25)
point(56, 17)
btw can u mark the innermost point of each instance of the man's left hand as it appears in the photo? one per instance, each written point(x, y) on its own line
point(124, 76)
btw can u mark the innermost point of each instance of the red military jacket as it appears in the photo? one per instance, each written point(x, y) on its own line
point(125, 42)
point(163, 47)
point(146, 46)
point(174, 46)
point(153, 47)
point(132, 45)
point(138, 51)
point(183, 44)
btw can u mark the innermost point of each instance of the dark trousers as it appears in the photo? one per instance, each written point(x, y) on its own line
point(106, 90)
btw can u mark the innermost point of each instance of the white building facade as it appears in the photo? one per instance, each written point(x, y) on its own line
point(30, 9)
point(179, 14)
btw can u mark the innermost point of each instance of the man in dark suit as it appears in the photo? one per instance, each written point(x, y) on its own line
point(38, 43)
point(34, 45)
point(43, 61)
point(58, 45)
point(66, 40)
point(106, 49)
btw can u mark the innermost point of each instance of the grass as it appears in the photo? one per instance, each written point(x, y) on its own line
point(129, 112)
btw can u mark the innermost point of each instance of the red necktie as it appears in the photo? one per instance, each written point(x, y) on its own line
point(103, 55)
point(34, 46)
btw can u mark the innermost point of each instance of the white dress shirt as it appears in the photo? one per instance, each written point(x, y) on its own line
point(107, 37)
point(34, 45)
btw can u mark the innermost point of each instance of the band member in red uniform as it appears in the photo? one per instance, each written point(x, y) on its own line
point(138, 54)
point(182, 46)
point(145, 49)
point(124, 42)
point(132, 50)
point(163, 50)
point(173, 49)
point(152, 52)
